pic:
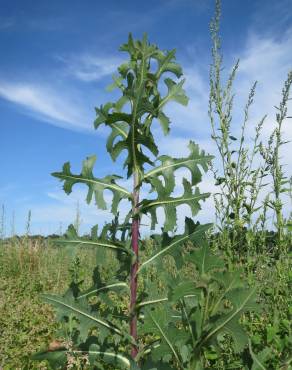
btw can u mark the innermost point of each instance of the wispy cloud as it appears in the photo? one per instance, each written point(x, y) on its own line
point(88, 67)
point(46, 103)
point(267, 60)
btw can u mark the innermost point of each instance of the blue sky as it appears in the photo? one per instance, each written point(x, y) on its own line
point(58, 57)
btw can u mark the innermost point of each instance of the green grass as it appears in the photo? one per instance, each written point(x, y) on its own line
point(28, 268)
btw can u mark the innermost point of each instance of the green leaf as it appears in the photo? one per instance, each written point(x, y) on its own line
point(229, 281)
point(164, 122)
point(96, 186)
point(116, 84)
point(166, 64)
point(258, 360)
point(157, 322)
point(72, 241)
point(171, 245)
point(205, 260)
point(170, 204)
point(68, 306)
point(119, 129)
point(175, 93)
point(118, 287)
point(56, 359)
point(113, 358)
point(169, 165)
point(156, 365)
point(243, 300)
point(184, 289)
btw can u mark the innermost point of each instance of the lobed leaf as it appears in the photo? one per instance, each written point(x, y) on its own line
point(170, 204)
point(96, 186)
point(169, 165)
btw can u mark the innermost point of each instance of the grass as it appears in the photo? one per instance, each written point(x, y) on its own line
point(30, 266)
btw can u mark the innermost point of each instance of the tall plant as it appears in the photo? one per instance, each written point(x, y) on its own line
point(100, 324)
point(271, 154)
point(244, 166)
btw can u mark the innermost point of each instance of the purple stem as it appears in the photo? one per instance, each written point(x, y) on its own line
point(134, 267)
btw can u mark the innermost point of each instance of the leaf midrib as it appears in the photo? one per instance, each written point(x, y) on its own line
point(151, 204)
point(94, 181)
point(180, 163)
point(163, 251)
point(112, 246)
point(236, 312)
point(82, 313)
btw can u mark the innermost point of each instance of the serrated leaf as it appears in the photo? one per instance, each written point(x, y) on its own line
point(258, 359)
point(164, 122)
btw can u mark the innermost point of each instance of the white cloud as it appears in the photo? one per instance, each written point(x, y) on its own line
point(88, 68)
point(267, 60)
point(46, 104)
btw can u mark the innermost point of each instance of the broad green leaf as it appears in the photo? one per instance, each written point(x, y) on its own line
point(67, 305)
point(229, 281)
point(57, 359)
point(166, 64)
point(258, 359)
point(119, 129)
point(113, 358)
point(156, 365)
point(205, 260)
point(172, 245)
point(118, 287)
point(164, 122)
point(157, 322)
point(243, 300)
point(175, 93)
point(184, 289)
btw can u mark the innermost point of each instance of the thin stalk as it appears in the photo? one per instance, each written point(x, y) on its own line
point(135, 265)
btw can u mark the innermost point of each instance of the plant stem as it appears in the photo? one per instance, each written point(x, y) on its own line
point(135, 265)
